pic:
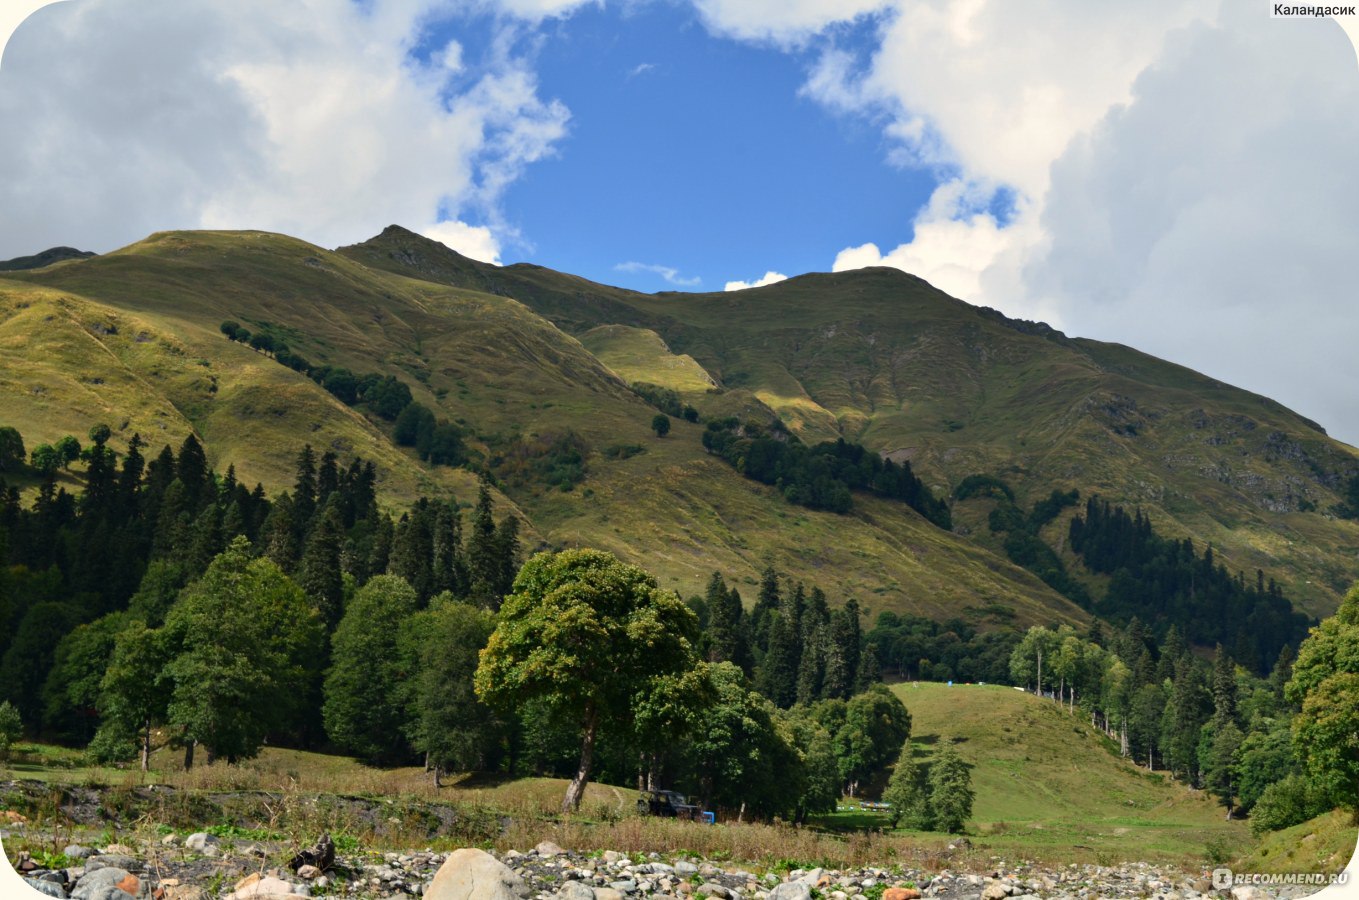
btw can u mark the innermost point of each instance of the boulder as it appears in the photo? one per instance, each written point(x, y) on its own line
point(607, 893)
point(901, 893)
point(101, 884)
point(113, 861)
point(794, 890)
point(471, 874)
point(254, 887)
point(996, 890)
point(575, 890)
point(50, 888)
point(685, 868)
point(182, 892)
point(712, 889)
point(547, 848)
point(75, 851)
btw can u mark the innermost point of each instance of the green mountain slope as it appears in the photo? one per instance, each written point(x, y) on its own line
point(131, 338)
point(881, 357)
point(1045, 778)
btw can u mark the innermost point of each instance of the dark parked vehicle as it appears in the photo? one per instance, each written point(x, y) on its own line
point(669, 804)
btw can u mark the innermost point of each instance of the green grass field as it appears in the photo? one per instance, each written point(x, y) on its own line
point(1048, 789)
point(1050, 786)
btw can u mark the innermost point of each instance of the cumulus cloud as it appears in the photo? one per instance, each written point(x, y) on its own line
point(781, 21)
point(309, 118)
point(669, 273)
point(770, 277)
point(1225, 206)
point(1182, 171)
point(475, 241)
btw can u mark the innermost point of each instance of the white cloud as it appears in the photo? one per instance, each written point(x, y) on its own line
point(1212, 219)
point(781, 21)
point(669, 273)
point(770, 277)
point(1183, 173)
point(475, 241)
point(641, 69)
point(309, 118)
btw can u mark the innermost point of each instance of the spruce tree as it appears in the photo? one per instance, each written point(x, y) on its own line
point(1224, 689)
point(950, 787)
point(907, 801)
point(449, 568)
point(304, 490)
point(776, 677)
point(507, 549)
point(191, 468)
point(278, 534)
point(319, 574)
point(484, 560)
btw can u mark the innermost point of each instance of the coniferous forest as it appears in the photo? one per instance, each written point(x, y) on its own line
point(166, 603)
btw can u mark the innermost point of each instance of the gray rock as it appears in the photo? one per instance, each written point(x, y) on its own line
point(201, 841)
point(75, 851)
point(712, 889)
point(101, 879)
point(625, 886)
point(575, 890)
point(113, 861)
point(471, 874)
point(548, 848)
point(791, 890)
point(996, 890)
point(685, 868)
point(50, 888)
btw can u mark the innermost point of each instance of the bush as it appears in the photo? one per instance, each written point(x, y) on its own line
point(1289, 801)
point(112, 743)
point(11, 727)
point(660, 423)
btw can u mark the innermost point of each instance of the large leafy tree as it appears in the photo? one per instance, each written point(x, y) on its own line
point(875, 726)
point(361, 710)
point(1325, 684)
point(584, 632)
point(445, 719)
point(133, 696)
point(242, 643)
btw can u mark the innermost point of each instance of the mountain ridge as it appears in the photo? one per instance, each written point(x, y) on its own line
point(875, 356)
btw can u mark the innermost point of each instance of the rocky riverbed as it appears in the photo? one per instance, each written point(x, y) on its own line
point(204, 867)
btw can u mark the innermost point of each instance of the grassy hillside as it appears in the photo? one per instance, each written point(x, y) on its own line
point(1323, 845)
point(881, 357)
point(131, 338)
point(1047, 782)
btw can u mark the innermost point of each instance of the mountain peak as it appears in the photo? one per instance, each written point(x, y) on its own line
point(45, 258)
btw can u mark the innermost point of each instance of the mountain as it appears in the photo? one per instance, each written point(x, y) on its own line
point(45, 258)
point(524, 358)
point(881, 357)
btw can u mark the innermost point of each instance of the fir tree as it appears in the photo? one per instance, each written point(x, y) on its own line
point(319, 574)
point(1224, 689)
point(950, 785)
point(304, 490)
point(278, 534)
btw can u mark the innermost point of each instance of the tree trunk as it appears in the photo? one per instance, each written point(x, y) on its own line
point(146, 747)
point(428, 767)
point(740, 816)
point(576, 789)
point(438, 771)
point(1040, 673)
point(188, 755)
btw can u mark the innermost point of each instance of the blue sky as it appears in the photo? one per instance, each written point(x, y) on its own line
point(1176, 175)
point(696, 153)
